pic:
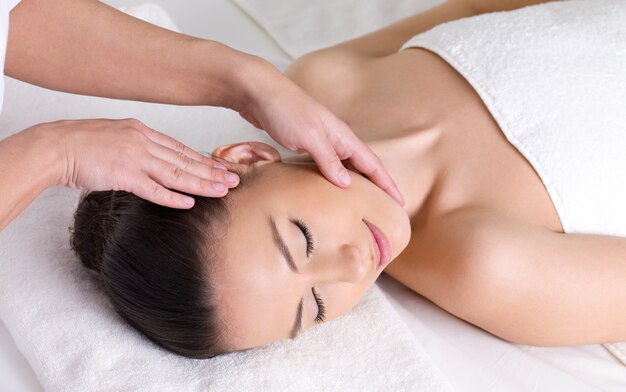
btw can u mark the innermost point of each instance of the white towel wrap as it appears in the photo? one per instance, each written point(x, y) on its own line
point(554, 78)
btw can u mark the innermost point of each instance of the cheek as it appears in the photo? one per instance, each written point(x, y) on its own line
point(336, 203)
point(342, 298)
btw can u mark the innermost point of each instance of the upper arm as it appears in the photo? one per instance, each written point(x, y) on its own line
point(561, 289)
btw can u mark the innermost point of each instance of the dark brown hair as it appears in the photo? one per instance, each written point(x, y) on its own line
point(156, 264)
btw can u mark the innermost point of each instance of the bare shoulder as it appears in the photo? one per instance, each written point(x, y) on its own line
point(332, 76)
point(445, 247)
point(463, 246)
point(519, 281)
point(410, 88)
point(479, 234)
point(498, 236)
point(467, 245)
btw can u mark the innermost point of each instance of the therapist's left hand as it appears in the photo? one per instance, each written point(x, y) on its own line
point(298, 122)
point(127, 155)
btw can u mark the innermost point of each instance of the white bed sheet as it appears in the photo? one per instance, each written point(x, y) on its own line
point(472, 359)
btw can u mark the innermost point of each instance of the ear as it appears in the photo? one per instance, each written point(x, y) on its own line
point(247, 153)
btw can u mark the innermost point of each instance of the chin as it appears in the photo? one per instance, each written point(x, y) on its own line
point(400, 233)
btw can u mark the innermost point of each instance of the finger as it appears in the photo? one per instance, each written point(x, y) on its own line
point(174, 177)
point(329, 163)
point(349, 147)
point(365, 161)
point(156, 193)
point(173, 144)
point(207, 171)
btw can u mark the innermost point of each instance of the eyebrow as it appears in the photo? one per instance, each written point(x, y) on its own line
point(284, 250)
point(282, 247)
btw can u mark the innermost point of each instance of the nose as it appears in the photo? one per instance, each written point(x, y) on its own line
point(348, 264)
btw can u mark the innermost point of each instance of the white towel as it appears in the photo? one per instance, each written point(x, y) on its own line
point(554, 78)
point(64, 325)
point(302, 26)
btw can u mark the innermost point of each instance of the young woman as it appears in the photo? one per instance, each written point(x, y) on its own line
point(479, 234)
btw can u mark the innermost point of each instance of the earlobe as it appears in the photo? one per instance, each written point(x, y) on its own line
point(247, 153)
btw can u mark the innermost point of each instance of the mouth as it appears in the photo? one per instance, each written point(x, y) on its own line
point(383, 247)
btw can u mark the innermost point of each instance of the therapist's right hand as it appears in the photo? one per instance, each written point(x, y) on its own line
point(129, 156)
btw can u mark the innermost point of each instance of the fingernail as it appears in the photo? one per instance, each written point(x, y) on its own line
point(188, 200)
point(219, 166)
point(231, 178)
point(344, 177)
point(401, 199)
point(218, 186)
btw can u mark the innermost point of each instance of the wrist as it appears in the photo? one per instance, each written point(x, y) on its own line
point(46, 150)
point(243, 77)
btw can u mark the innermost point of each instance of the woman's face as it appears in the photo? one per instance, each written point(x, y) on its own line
point(298, 251)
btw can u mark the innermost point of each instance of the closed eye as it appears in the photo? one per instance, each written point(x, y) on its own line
point(321, 308)
point(310, 247)
point(306, 232)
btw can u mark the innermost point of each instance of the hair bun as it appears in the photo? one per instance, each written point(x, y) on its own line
point(93, 224)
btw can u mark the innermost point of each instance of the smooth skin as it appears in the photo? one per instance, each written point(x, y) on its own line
point(258, 291)
point(87, 47)
point(486, 243)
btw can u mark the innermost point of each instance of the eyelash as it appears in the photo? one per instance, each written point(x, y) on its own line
point(310, 246)
point(321, 315)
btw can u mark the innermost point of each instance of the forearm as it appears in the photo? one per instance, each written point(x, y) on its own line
point(87, 47)
point(28, 165)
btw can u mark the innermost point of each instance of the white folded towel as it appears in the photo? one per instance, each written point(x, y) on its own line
point(64, 325)
point(302, 26)
point(554, 78)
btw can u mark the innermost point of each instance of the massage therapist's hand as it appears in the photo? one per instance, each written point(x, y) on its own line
point(298, 122)
point(127, 155)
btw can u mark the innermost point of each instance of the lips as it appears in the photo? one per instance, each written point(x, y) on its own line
point(382, 245)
